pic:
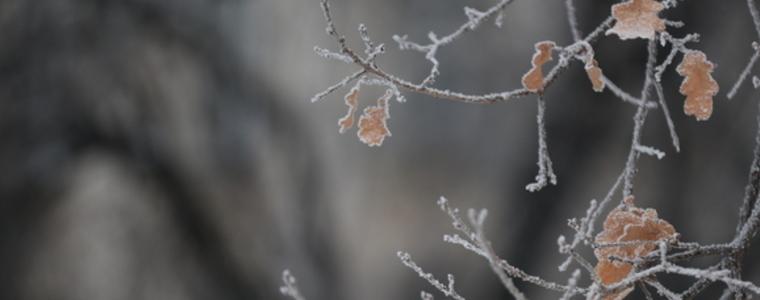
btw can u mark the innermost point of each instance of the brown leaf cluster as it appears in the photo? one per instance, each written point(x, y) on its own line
point(534, 80)
point(373, 127)
point(698, 85)
point(373, 123)
point(637, 19)
point(628, 223)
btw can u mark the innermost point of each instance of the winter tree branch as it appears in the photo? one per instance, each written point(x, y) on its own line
point(640, 259)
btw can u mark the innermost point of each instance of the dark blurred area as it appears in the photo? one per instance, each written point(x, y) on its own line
point(166, 149)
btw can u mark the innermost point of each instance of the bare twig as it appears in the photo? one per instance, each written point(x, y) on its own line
point(572, 20)
point(370, 67)
point(545, 171)
point(638, 120)
point(471, 234)
point(446, 289)
point(474, 19)
point(745, 72)
point(289, 287)
point(666, 113)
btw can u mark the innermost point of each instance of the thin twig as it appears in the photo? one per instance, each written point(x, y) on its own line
point(290, 288)
point(371, 68)
point(545, 170)
point(744, 73)
point(572, 20)
point(638, 120)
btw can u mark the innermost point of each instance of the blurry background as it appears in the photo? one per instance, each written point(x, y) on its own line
point(166, 149)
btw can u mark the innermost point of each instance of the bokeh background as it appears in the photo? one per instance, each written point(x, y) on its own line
point(166, 149)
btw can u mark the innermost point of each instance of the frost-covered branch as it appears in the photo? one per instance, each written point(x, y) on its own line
point(446, 289)
point(369, 67)
point(755, 15)
point(746, 71)
point(477, 243)
point(659, 261)
point(666, 113)
point(585, 229)
point(624, 96)
point(653, 255)
point(572, 20)
point(289, 287)
point(426, 296)
point(481, 246)
point(651, 151)
point(748, 68)
point(340, 84)
point(474, 19)
point(677, 45)
point(545, 170)
point(638, 121)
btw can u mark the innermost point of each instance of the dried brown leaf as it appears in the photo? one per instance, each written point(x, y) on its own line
point(352, 101)
point(595, 75)
point(628, 224)
point(534, 80)
point(698, 85)
point(373, 127)
point(637, 19)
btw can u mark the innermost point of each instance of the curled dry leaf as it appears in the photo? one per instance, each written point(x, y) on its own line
point(698, 85)
point(595, 75)
point(628, 223)
point(534, 80)
point(637, 19)
point(373, 127)
point(352, 101)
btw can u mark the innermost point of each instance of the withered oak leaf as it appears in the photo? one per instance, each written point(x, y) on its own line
point(373, 126)
point(698, 85)
point(534, 80)
point(637, 19)
point(628, 223)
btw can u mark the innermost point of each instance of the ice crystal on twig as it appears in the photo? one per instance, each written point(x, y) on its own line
point(678, 45)
point(289, 287)
point(446, 289)
point(572, 20)
point(627, 250)
point(650, 151)
point(668, 120)
point(545, 170)
point(426, 296)
point(745, 72)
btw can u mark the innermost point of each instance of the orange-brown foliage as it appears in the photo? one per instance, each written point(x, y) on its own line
point(628, 223)
point(534, 79)
point(373, 127)
point(352, 101)
point(595, 75)
point(637, 19)
point(698, 86)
